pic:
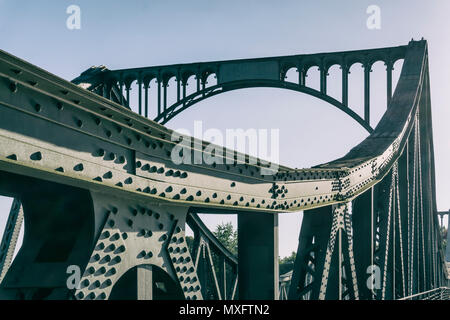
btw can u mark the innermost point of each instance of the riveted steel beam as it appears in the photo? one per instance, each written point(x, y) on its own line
point(126, 149)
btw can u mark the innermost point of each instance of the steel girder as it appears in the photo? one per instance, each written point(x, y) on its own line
point(75, 137)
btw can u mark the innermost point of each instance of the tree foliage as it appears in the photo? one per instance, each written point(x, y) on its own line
point(286, 264)
point(190, 243)
point(227, 236)
point(444, 238)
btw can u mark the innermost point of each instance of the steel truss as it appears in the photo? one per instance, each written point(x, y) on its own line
point(126, 204)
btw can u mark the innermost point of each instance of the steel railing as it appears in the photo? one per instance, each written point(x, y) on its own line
point(442, 293)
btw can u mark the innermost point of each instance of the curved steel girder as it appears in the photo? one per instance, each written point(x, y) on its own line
point(393, 129)
point(194, 222)
point(337, 181)
point(201, 95)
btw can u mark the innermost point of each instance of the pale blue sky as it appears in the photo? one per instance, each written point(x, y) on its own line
point(124, 34)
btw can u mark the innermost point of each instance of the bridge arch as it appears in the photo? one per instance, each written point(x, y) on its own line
point(245, 73)
point(201, 95)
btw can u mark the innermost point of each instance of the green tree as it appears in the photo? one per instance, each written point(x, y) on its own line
point(444, 237)
point(286, 264)
point(190, 243)
point(226, 234)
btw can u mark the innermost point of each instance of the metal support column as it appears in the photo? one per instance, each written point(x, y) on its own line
point(345, 72)
point(389, 68)
point(258, 256)
point(144, 283)
point(367, 70)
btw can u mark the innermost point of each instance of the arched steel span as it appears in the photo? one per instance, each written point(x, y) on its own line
point(121, 163)
point(196, 97)
point(238, 74)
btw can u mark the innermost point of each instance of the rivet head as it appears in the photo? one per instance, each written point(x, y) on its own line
point(13, 87)
point(79, 167)
point(37, 156)
point(102, 270)
point(90, 270)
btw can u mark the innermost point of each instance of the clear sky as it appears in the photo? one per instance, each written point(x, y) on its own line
point(134, 33)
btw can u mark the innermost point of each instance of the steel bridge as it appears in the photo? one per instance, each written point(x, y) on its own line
point(97, 189)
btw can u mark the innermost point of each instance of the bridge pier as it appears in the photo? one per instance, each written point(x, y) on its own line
point(258, 256)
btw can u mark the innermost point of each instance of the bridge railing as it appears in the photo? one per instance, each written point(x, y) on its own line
point(442, 293)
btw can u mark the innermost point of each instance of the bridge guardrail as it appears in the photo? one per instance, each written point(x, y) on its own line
point(442, 293)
